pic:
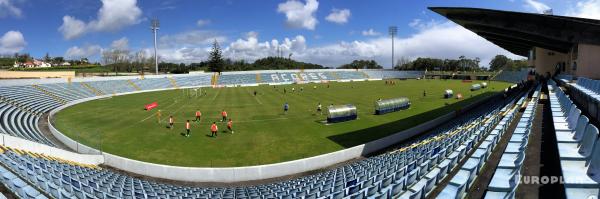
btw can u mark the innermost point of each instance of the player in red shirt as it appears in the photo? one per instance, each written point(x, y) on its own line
point(198, 115)
point(187, 128)
point(224, 115)
point(230, 126)
point(214, 129)
point(171, 121)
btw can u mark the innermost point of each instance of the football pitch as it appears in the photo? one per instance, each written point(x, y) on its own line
point(263, 134)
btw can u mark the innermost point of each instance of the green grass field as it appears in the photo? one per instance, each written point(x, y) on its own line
point(263, 134)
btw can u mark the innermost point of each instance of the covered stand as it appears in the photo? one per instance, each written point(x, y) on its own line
point(448, 93)
point(475, 87)
point(391, 105)
point(341, 113)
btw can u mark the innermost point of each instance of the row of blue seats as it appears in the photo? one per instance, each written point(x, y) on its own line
point(578, 146)
point(386, 74)
point(237, 79)
point(564, 78)
point(18, 186)
point(507, 176)
point(512, 76)
point(586, 92)
point(462, 181)
point(406, 173)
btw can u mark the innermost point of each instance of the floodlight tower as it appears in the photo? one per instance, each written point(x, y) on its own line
point(393, 30)
point(155, 26)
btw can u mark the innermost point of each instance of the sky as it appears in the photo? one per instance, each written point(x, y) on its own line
point(326, 32)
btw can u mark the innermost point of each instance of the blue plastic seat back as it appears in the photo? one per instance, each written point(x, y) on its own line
point(593, 163)
point(589, 138)
point(580, 129)
point(572, 119)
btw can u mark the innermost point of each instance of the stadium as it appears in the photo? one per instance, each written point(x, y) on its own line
point(318, 132)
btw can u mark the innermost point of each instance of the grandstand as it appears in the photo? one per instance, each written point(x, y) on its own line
point(414, 168)
point(544, 126)
point(512, 76)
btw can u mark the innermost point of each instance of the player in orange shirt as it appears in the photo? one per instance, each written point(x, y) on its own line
point(187, 128)
point(224, 115)
point(198, 116)
point(230, 126)
point(213, 129)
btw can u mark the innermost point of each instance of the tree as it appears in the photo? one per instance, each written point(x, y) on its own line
point(215, 58)
point(362, 64)
point(402, 63)
point(500, 62)
point(518, 64)
point(58, 60)
point(47, 58)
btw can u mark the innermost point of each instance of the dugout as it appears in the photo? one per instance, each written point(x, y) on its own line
point(391, 105)
point(448, 93)
point(341, 113)
point(475, 87)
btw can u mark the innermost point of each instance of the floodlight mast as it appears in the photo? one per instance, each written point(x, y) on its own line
point(393, 30)
point(155, 26)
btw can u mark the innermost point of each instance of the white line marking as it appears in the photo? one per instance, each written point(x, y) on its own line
point(215, 97)
point(255, 97)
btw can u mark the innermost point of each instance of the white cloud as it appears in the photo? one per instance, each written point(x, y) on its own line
point(88, 51)
point(12, 42)
point(338, 16)
point(7, 8)
point(419, 24)
point(370, 32)
point(72, 27)
point(190, 46)
point(586, 9)
point(439, 40)
point(299, 15)
point(190, 39)
point(202, 22)
point(120, 44)
point(112, 16)
point(251, 49)
point(456, 41)
point(537, 6)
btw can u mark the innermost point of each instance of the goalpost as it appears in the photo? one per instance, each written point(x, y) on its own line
point(192, 92)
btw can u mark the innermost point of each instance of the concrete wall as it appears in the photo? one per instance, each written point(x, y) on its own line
point(588, 61)
point(237, 174)
point(36, 74)
point(19, 143)
point(546, 60)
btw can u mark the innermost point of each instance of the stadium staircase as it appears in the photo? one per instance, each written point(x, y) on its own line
point(258, 78)
point(335, 75)
point(365, 75)
point(300, 77)
point(53, 96)
point(92, 89)
point(173, 82)
point(137, 88)
point(214, 79)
